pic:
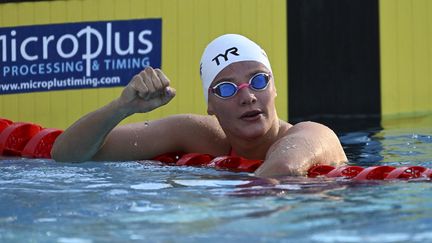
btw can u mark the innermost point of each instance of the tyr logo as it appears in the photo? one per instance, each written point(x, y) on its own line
point(232, 50)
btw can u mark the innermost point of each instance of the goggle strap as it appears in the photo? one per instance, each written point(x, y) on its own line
point(241, 86)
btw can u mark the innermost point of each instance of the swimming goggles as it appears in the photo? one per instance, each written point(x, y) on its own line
point(226, 89)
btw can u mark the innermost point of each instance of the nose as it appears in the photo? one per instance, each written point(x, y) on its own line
point(246, 97)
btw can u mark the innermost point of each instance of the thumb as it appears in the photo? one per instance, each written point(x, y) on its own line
point(171, 92)
point(168, 95)
point(162, 98)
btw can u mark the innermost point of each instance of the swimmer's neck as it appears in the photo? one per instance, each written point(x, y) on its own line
point(256, 148)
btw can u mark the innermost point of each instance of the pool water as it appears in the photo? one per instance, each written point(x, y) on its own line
point(45, 201)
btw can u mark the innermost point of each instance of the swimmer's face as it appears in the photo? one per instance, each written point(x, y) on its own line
point(248, 114)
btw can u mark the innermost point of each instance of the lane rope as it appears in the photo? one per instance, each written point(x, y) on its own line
point(25, 139)
point(235, 163)
point(31, 140)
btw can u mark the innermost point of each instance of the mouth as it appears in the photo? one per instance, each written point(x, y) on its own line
point(251, 115)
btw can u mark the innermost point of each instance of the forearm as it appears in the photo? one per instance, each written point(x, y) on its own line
point(82, 140)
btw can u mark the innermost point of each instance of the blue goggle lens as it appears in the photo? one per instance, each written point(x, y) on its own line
point(259, 82)
point(226, 90)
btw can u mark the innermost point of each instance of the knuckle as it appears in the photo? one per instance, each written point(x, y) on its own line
point(165, 82)
point(148, 69)
point(157, 83)
point(136, 77)
point(142, 74)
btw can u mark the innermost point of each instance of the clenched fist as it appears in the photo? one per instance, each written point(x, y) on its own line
point(147, 91)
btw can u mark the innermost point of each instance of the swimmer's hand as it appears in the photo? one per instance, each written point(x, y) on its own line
point(146, 91)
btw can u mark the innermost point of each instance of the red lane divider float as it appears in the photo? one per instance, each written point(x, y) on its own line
point(14, 137)
point(236, 163)
point(169, 158)
point(232, 163)
point(41, 144)
point(194, 159)
point(32, 141)
point(382, 172)
point(4, 123)
point(26, 139)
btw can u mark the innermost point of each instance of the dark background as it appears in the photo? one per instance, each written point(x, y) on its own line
point(333, 61)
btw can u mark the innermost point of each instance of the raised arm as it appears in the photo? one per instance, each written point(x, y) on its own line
point(83, 140)
point(305, 144)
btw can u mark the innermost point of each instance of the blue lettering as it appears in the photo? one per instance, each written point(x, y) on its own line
point(79, 66)
point(136, 63)
point(14, 70)
point(126, 63)
point(56, 67)
point(33, 69)
point(23, 70)
point(6, 70)
point(121, 64)
point(48, 67)
point(145, 62)
point(69, 67)
point(59, 51)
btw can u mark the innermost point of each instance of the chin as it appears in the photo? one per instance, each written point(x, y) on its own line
point(245, 130)
point(252, 132)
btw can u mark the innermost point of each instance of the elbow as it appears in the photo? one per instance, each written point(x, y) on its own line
point(55, 152)
point(59, 154)
point(277, 168)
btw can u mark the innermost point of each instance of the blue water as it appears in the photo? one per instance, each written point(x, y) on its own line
point(45, 201)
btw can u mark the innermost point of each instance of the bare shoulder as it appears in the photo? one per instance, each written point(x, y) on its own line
point(309, 127)
point(307, 131)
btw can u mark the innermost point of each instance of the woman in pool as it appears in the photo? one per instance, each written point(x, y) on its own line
point(240, 92)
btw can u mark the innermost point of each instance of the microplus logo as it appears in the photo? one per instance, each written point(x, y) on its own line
point(113, 50)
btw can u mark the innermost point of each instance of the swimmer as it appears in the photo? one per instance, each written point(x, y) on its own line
point(240, 92)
